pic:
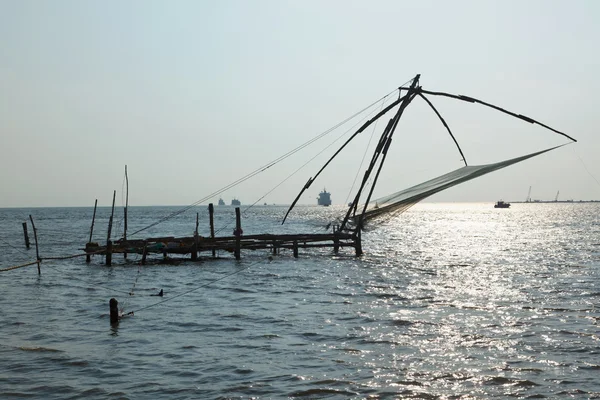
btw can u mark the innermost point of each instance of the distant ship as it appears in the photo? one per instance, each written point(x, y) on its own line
point(221, 202)
point(324, 198)
point(235, 202)
point(501, 204)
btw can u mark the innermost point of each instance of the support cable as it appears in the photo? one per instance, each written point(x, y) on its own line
point(263, 168)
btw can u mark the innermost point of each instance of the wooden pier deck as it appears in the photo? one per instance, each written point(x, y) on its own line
point(196, 245)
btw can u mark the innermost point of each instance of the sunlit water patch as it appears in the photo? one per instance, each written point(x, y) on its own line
point(448, 301)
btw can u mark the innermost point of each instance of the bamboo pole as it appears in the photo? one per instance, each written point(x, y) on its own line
point(108, 241)
point(125, 211)
point(88, 258)
point(211, 212)
point(195, 247)
point(37, 250)
point(25, 234)
point(144, 253)
point(238, 233)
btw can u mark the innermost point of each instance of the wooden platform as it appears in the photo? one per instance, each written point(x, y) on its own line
point(196, 245)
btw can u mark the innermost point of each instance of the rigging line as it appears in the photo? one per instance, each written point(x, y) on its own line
point(474, 100)
point(10, 245)
point(585, 167)
point(364, 155)
point(318, 154)
point(193, 290)
point(266, 166)
point(464, 159)
point(303, 165)
point(258, 170)
point(361, 129)
point(52, 230)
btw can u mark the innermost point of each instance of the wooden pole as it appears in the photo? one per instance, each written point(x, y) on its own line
point(295, 249)
point(211, 212)
point(108, 242)
point(144, 253)
point(357, 242)
point(37, 250)
point(88, 258)
point(114, 311)
point(125, 211)
point(238, 233)
point(195, 248)
point(25, 234)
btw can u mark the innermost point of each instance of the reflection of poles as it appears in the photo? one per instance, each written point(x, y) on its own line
point(37, 250)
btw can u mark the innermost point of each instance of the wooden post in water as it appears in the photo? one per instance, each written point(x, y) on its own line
point(25, 234)
point(238, 233)
point(37, 250)
point(125, 211)
point(108, 241)
point(211, 212)
point(357, 243)
point(114, 311)
point(144, 252)
point(336, 240)
point(295, 249)
point(88, 258)
point(274, 248)
point(195, 248)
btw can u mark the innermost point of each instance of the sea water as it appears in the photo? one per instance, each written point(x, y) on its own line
point(448, 301)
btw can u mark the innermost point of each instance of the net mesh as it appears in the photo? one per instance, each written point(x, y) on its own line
point(396, 203)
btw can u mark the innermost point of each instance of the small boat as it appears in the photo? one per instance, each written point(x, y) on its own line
point(235, 202)
point(221, 202)
point(501, 204)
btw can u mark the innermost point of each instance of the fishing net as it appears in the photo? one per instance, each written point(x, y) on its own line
point(399, 202)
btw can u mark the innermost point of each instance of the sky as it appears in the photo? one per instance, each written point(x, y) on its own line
point(194, 95)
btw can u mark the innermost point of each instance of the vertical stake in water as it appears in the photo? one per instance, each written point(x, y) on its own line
point(108, 241)
point(125, 211)
point(37, 250)
point(87, 256)
point(195, 247)
point(211, 212)
point(295, 249)
point(114, 311)
point(144, 252)
point(25, 234)
point(358, 242)
point(238, 233)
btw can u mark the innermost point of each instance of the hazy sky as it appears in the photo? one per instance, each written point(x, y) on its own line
point(193, 95)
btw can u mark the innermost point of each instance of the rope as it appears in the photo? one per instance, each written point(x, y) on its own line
point(301, 167)
point(10, 245)
point(585, 167)
point(71, 256)
point(193, 290)
point(363, 157)
point(264, 167)
point(18, 266)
